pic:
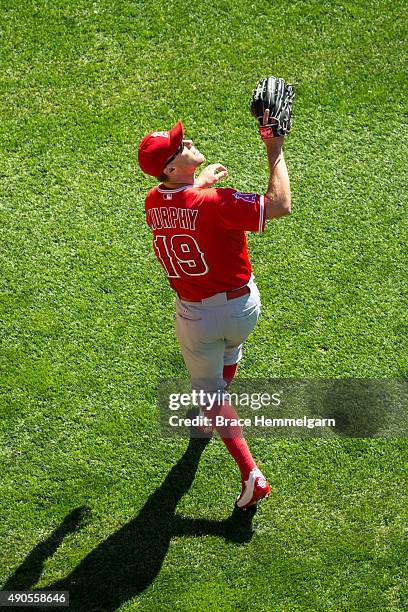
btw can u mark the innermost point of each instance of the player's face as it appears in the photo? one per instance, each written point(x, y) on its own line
point(191, 152)
point(189, 156)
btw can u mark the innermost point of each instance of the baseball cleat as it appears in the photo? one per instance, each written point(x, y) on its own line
point(253, 489)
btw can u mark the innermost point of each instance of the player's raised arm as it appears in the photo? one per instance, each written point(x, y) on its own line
point(271, 104)
point(277, 196)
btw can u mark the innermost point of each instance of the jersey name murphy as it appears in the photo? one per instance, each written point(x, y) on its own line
point(168, 217)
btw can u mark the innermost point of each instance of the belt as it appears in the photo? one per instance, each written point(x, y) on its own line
point(231, 295)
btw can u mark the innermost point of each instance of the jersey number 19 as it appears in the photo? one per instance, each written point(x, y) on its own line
point(180, 254)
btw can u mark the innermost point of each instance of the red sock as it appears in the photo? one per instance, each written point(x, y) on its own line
point(233, 439)
point(229, 373)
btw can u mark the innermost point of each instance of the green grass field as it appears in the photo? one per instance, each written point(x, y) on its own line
point(87, 315)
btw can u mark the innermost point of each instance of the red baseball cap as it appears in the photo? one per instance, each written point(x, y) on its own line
point(157, 147)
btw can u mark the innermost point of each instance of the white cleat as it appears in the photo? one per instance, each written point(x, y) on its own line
point(253, 489)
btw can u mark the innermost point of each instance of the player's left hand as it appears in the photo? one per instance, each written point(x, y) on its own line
point(211, 175)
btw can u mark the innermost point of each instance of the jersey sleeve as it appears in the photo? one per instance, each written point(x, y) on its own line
point(147, 207)
point(240, 211)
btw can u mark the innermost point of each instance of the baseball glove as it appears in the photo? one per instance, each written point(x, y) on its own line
point(271, 104)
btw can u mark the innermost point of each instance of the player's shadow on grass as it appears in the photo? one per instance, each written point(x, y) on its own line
point(128, 561)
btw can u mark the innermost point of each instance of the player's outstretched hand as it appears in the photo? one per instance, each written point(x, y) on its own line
point(210, 175)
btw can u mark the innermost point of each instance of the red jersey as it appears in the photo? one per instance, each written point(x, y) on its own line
point(199, 237)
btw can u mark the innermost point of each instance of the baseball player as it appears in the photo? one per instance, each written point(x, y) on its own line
point(199, 239)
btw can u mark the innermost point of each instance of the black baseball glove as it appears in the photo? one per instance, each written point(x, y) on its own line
point(271, 104)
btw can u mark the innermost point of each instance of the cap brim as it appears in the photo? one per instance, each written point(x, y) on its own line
point(176, 136)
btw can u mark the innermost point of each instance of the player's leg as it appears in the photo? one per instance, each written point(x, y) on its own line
point(253, 484)
point(241, 317)
point(203, 348)
point(244, 313)
point(229, 372)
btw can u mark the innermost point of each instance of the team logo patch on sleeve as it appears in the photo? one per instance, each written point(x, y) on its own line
point(247, 197)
